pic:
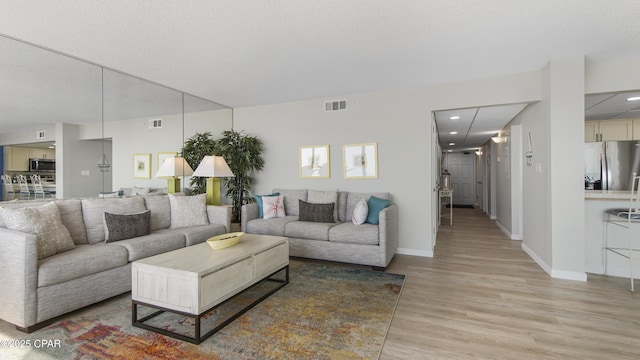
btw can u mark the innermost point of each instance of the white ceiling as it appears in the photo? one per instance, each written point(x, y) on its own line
point(612, 106)
point(252, 52)
point(474, 126)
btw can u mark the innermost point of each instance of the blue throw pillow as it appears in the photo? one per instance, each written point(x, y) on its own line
point(259, 202)
point(375, 206)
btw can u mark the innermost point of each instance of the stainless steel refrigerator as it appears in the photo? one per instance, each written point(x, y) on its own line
point(609, 165)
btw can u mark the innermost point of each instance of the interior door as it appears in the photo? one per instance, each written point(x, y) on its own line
point(462, 169)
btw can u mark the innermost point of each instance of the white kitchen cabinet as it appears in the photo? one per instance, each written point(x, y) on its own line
point(16, 158)
point(636, 129)
point(608, 130)
point(41, 153)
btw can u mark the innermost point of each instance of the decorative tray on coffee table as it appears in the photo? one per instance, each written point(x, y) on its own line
point(224, 240)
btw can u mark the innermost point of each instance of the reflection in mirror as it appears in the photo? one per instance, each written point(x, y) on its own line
point(64, 101)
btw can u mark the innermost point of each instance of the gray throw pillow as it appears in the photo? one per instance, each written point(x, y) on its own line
point(121, 227)
point(188, 211)
point(316, 212)
point(45, 223)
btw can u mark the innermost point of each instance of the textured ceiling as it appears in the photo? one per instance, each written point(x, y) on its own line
point(252, 52)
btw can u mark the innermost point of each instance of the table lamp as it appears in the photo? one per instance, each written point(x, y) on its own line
point(172, 168)
point(213, 168)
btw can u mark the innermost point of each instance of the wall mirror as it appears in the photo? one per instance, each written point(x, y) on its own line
point(57, 106)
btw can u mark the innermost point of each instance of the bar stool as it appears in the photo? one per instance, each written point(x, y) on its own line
point(626, 218)
point(7, 186)
point(24, 187)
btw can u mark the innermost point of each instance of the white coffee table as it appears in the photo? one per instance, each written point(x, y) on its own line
point(194, 280)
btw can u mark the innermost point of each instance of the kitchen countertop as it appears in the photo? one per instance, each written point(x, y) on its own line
point(607, 194)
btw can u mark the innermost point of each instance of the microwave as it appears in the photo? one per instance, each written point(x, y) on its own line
point(42, 165)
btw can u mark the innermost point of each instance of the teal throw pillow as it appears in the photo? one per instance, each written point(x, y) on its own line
point(375, 206)
point(259, 202)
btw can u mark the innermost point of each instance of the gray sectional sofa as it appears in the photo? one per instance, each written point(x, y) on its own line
point(341, 241)
point(37, 287)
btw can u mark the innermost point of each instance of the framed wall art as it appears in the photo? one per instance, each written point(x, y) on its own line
point(314, 162)
point(164, 155)
point(360, 161)
point(142, 166)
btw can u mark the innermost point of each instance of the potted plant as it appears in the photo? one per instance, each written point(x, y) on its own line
point(243, 153)
point(196, 148)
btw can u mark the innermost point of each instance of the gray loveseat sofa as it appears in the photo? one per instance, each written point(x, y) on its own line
point(341, 241)
point(35, 289)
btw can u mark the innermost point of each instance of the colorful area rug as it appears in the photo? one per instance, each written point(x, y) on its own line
point(325, 312)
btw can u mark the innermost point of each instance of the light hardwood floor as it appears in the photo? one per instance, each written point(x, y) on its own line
point(482, 297)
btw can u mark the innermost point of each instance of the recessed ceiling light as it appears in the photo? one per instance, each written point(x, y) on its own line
point(453, 133)
point(451, 144)
point(635, 98)
point(455, 117)
point(449, 150)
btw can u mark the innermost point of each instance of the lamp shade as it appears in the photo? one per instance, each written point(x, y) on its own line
point(174, 166)
point(213, 167)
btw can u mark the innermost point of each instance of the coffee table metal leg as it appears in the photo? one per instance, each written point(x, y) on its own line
point(198, 338)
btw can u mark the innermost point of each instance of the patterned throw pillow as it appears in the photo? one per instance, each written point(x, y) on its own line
point(120, 227)
point(316, 212)
point(260, 204)
point(45, 223)
point(188, 210)
point(360, 212)
point(273, 207)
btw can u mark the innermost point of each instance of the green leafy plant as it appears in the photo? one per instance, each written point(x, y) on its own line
point(196, 148)
point(243, 153)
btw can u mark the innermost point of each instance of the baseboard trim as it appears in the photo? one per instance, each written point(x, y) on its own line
point(507, 232)
point(414, 252)
point(554, 273)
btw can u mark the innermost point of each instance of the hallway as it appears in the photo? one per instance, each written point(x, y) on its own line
point(482, 297)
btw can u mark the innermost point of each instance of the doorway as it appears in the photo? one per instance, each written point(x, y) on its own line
point(462, 168)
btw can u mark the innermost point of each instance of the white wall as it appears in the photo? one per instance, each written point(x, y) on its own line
point(566, 171)
point(75, 157)
point(133, 136)
point(399, 121)
point(26, 135)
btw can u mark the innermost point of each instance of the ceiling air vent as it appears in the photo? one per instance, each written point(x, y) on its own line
point(40, 134)
point(155, 123)
point(337, 105)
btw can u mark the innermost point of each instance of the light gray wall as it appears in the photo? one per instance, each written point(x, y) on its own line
point(399, 121)
point(26, 135)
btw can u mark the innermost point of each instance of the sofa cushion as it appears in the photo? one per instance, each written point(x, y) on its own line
point(291, 198)
point(360, 212)
point(160, 211)
point(81, 261)
point(347, 232)
point(70, 213)
point(152, 244)
point(316, 212)
point(375, 206)
point(93, 213)
point(269, 226)
point(342, 206)
point(120, 227)
point(308, 230)
point(273, 207)
point(188, 211)
point(259, 202)
point(196, 234)
point(325, 197)
point(45, 223)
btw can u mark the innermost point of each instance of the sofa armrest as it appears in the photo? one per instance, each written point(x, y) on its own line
point(389, 232)
point(219, 215)
point(19, 269)
point(249, 212)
